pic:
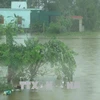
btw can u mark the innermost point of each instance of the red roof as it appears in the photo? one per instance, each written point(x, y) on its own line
point(77, 17)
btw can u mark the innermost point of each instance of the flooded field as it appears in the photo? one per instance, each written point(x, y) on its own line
point(87, 73)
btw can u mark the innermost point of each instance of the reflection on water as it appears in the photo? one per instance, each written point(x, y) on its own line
point(87, 73)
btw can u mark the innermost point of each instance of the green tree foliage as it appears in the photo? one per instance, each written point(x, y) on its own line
point(5, 4)
point(61, 25)
point(58, 54)
point(9, 30)
point(65, 6)
point(89, 9)
point(54, 28)
point(33, 55)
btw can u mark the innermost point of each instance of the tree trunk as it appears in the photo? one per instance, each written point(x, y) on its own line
point(10, 75)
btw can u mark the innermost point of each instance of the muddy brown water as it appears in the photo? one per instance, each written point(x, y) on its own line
point(87, 73)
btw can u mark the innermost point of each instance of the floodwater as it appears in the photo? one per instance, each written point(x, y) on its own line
point(87, 73)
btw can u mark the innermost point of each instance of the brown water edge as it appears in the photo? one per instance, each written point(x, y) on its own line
point(57, 94)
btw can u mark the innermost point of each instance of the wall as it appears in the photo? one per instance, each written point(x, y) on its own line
point(19, 4)
point(42, 16)
point(24, 13)
point(39, 16)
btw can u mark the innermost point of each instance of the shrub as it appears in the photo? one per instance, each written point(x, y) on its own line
point(54, 28)
point(62, 24)
point(37, 27)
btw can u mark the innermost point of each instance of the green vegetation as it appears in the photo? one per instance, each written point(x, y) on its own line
point(88, 9)
point(54, 28)
point(9, 30)
point(25, 60)
point(5, 86)
point(58, 54)
point(34, 54)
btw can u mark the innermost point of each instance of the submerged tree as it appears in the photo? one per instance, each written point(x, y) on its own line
point(58, 54)
point(33, 55)
point(54, 52)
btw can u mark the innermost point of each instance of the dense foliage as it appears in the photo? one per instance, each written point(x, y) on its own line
point(58, 54)
point(31, 56)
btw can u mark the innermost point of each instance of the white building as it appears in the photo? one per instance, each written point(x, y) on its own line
point(19, 5)
point(20, 10)
point(8, 15)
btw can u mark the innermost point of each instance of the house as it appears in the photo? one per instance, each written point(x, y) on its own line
point(27, 16)
point(8, 14)
point(20, 10)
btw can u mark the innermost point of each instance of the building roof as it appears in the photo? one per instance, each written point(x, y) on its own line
point(77, 17)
